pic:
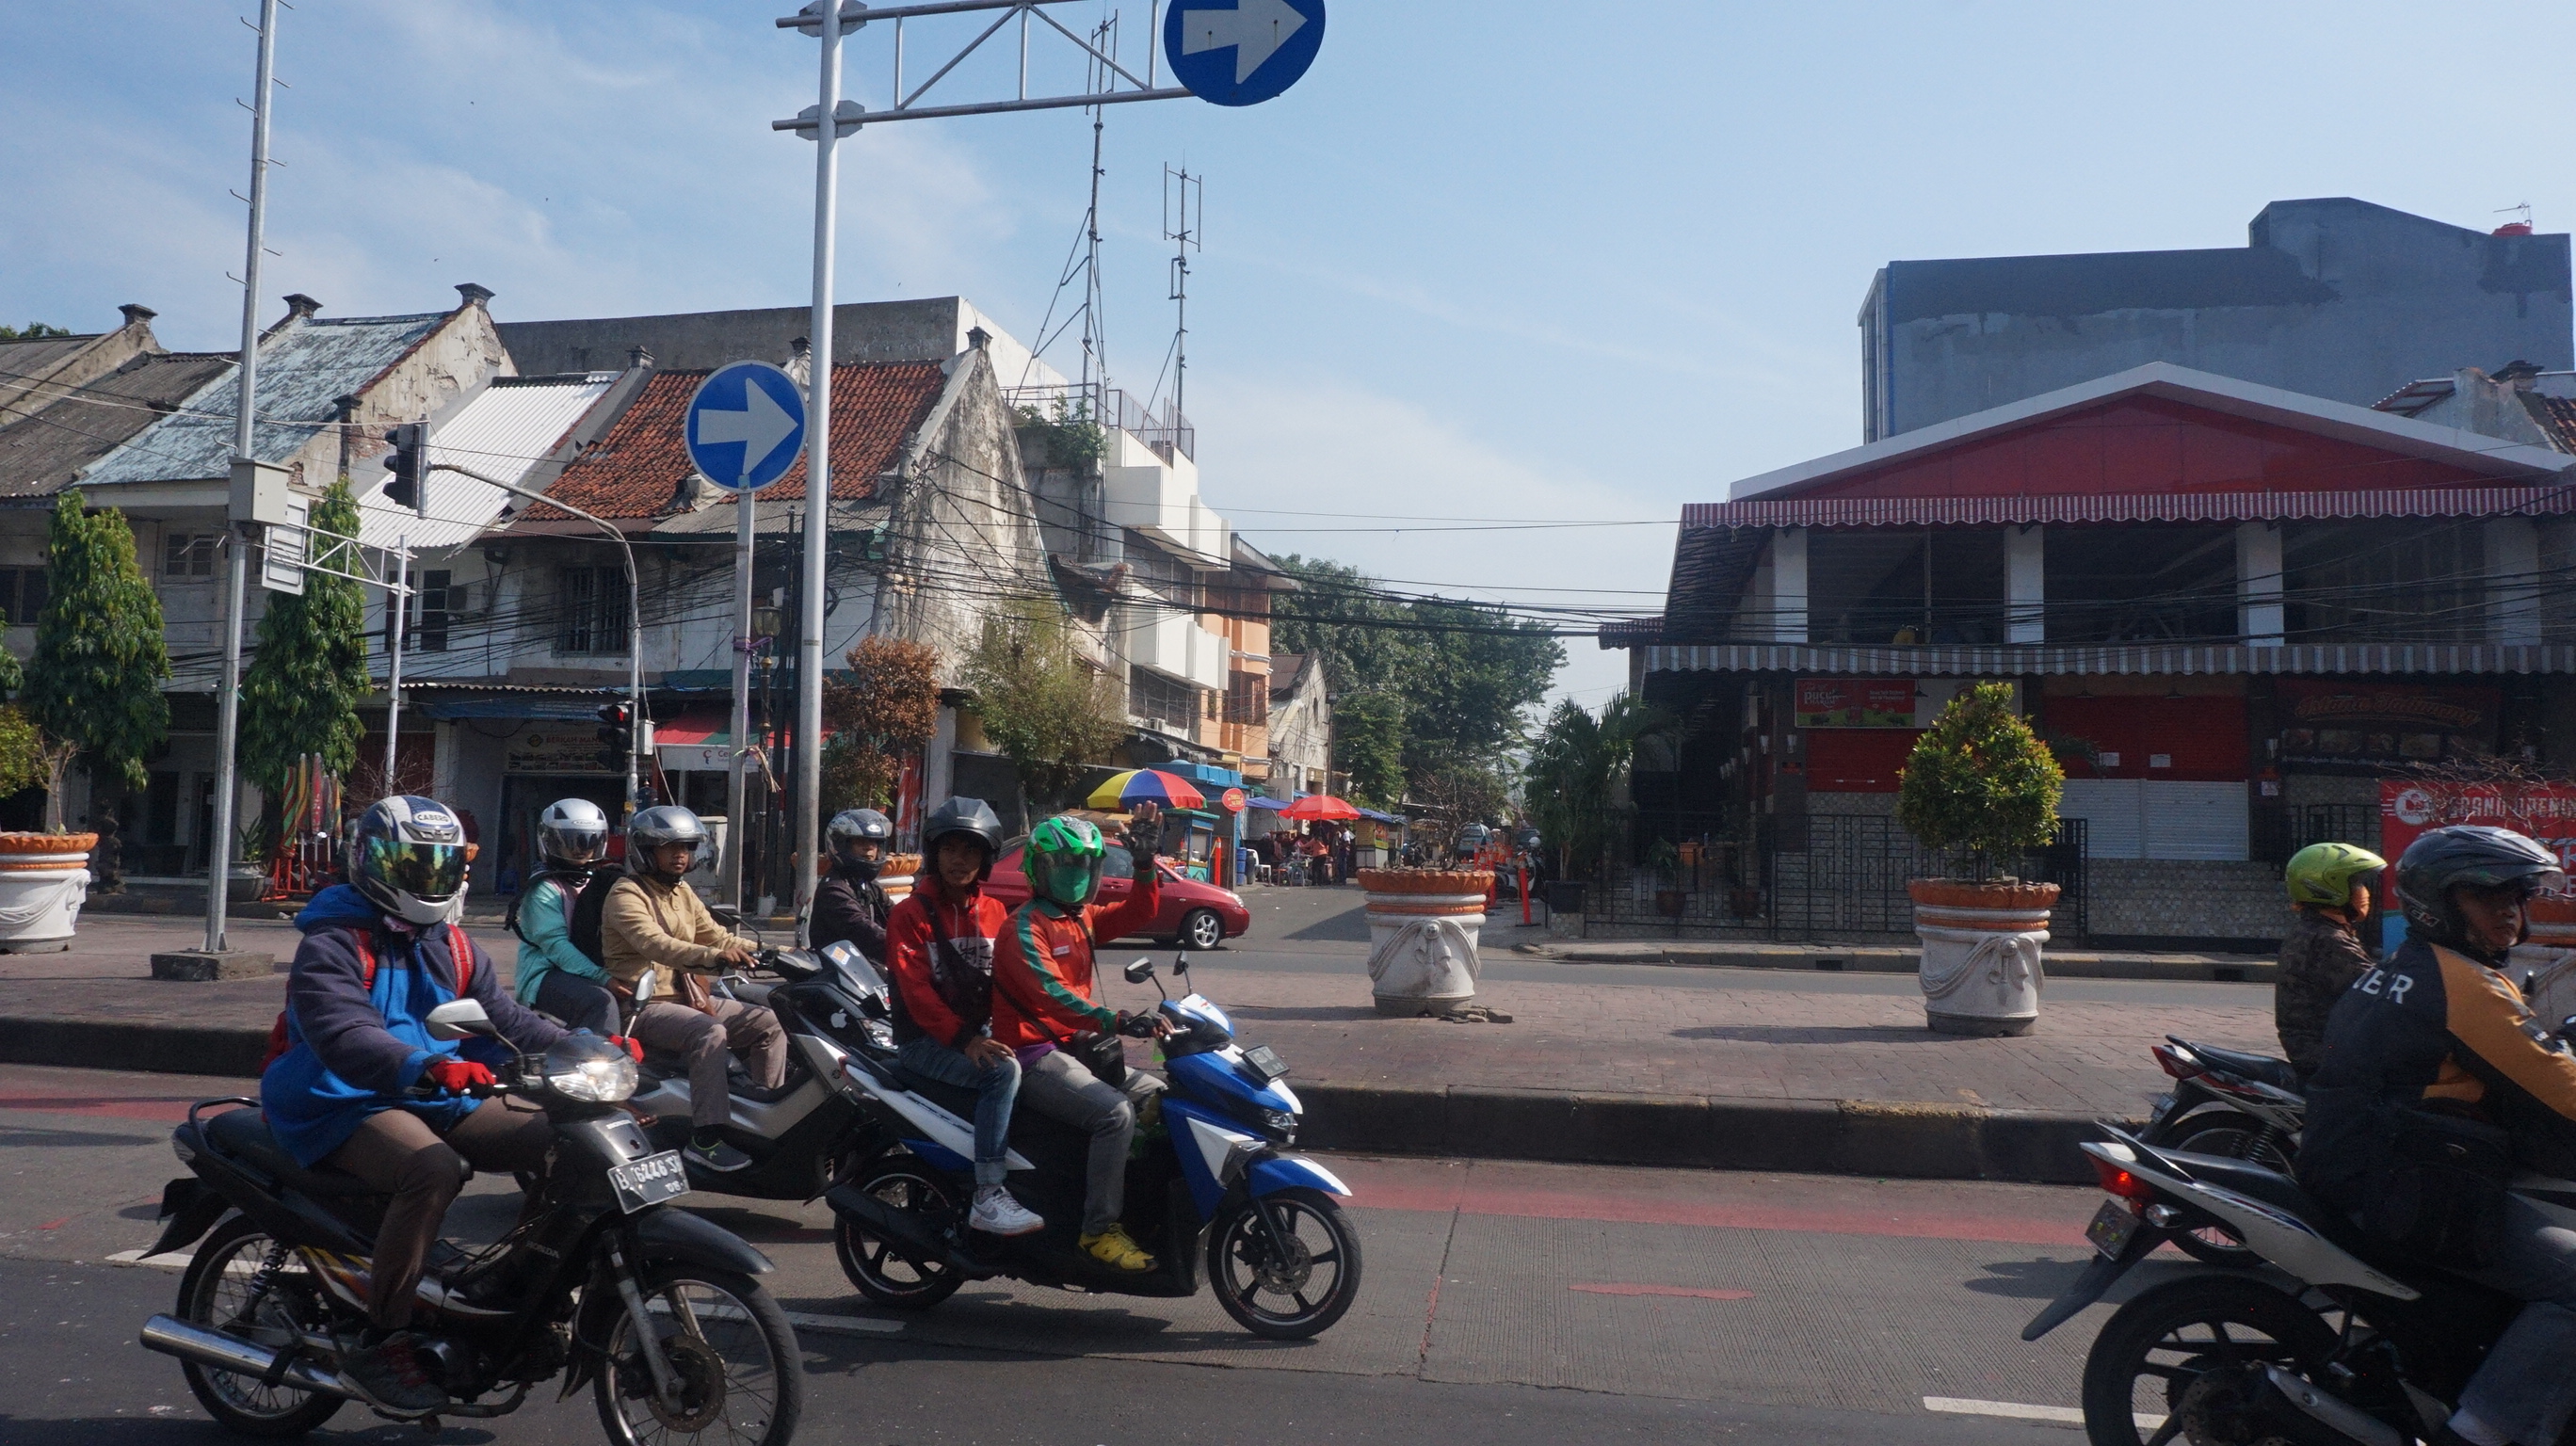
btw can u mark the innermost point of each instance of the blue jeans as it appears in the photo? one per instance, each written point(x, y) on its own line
point(996, 1087)
point(2523, 1388)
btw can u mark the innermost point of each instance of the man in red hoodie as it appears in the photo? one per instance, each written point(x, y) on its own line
point(939, 954)
point(1045, 992)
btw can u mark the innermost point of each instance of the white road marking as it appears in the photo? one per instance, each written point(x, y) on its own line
point(2019, 1411)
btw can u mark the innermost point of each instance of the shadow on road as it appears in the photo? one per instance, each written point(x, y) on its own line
point(1814, 1034)
point(1323, 1013)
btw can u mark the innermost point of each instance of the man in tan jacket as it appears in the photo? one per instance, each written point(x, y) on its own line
point(656, 940)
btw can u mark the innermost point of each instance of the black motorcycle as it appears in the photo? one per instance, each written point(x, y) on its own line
point(2233, 1105)
point(600, 1280)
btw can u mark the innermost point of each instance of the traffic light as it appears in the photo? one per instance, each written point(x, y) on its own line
point(408, 461)
point(616, 737)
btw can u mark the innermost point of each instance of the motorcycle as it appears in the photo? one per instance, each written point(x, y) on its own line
point(660, 1313)
point(2365, 1348)
point(2226, 1103)
point(1209, 1180)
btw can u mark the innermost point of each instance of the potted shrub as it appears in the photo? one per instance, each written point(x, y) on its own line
point(1666, 861)
point(1980, 783)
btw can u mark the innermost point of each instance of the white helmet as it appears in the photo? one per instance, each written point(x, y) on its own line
point(407, 856)
point(573, 834)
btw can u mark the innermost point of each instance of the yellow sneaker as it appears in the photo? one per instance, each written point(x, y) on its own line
point(1113, 1247)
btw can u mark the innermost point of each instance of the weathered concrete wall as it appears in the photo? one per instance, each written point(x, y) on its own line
point(2333, 298)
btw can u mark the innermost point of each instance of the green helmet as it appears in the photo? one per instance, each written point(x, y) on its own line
point(1064, 861)
point(2322, 875)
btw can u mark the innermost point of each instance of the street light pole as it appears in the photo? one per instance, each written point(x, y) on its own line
point(818, 473)
point(634, 605)
point(219, 850)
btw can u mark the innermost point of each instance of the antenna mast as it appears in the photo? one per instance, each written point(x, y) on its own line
point(1184, 213)
point(1095, 343)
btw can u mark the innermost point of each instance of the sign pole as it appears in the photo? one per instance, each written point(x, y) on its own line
point(737, 787)
point(818, 476)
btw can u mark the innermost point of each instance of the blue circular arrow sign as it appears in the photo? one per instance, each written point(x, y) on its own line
point(1241, 52)
point(746, 425)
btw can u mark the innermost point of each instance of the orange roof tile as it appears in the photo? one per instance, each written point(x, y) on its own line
point(636, 470)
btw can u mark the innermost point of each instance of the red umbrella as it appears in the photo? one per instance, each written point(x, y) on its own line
point(1319, 806)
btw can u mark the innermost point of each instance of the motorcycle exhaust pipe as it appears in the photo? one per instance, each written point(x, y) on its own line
point(900, 1229)
point(2303, 1399)
point(172, 1336)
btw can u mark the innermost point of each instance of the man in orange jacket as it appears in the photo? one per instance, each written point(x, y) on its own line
point(1046, 992)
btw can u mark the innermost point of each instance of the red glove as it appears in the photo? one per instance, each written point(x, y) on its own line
point(456, 1076)
point(630, 1046)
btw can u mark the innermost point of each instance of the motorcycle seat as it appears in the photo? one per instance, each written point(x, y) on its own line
point(2261, 1068)
point(244, 1136)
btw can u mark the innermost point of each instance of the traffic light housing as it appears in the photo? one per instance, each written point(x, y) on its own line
point(408, 461)
point(616, 736)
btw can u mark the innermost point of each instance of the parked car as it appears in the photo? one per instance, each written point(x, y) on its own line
point(1199, 915)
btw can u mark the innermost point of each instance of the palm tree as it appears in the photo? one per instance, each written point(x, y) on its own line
point(1575, 781)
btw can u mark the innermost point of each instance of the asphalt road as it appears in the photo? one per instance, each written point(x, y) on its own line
point(1510, 1302)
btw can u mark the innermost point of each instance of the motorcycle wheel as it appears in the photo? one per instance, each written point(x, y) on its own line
point(885, 1277)
point(1247, 1277)
point(214, 1295)
point(742, 1375)
point(2157, 1349)
point(2235, 1137)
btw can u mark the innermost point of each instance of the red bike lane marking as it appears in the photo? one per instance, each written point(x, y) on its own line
point(1684, 1291)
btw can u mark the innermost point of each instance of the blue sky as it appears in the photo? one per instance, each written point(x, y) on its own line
point(1487, 260)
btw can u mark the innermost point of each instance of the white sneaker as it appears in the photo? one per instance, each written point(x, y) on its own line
point(996, 1213)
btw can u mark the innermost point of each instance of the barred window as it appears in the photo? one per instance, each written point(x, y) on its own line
point(590, 605)
point(1151, 695)
point(1247, 697)
point(187, 556)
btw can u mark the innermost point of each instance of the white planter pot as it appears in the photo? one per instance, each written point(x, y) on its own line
point(1422, 946)
point(40, 900)
point(1981, 972)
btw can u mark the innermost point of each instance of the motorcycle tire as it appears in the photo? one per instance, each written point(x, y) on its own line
point(741, 1340)
point(2209, 1322)
point(885, 1277)
point(2232, 1136)
point(213, 1295)
point(1241, 1268)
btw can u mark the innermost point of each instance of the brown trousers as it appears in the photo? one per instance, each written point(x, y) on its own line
point(703, 1038)
point(397, 1152)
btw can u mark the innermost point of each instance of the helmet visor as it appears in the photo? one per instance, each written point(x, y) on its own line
point(580, 846)
point(424, 871)
point(1068, 881)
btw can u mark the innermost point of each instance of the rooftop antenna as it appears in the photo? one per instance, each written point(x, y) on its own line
point(1095, 342)
point(1184, 208)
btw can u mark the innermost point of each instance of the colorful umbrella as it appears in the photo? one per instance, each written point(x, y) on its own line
point(1145, 785)
point(1319, 806)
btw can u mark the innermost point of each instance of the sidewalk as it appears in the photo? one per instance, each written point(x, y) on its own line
point(1895, 959)
point(1750, 1078)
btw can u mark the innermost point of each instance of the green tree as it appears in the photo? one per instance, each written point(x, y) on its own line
point(1368, 744)
point(32, 331)
point(1980, 780)
point(1338, 615)
point(1054, 718)
point(308, 669)
point(1572, 781)
point(94, 684)
point(889, 708)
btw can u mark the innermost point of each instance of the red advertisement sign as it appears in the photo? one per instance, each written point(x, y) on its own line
point(2543, 812)
point(1855, 703)
point(1233, 800)
point(2360, 724)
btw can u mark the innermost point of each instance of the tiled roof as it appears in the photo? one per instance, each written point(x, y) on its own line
point(304, 370)
point(2556, 416)
point(42, 453)
point(636, 470)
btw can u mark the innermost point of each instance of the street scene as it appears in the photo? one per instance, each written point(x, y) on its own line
point(681, 762)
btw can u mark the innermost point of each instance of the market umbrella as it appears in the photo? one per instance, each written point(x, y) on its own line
point(1145, 785)
point(1319, 806)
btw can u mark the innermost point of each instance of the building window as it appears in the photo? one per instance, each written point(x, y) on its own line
point(438, 603)
point(22, 595)
point(1154, 697)
point(591, 603)
point(1247, 697)
point(188, 556)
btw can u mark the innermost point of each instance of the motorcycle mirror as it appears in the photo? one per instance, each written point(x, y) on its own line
point(1140, 971)
point(726, 914)
point(458, 1018)
point(1181, 962)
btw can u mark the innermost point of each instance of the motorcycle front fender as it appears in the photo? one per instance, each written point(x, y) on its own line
point(677, 1235)
point(191, 1209)
point(1274, 1173)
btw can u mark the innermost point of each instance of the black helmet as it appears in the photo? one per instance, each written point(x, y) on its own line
point(2473, 855)
point(655, 828)
point(854, 826)
point(961, 815)
point(407, 856)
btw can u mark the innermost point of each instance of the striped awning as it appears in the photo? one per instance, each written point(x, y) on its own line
point(2023, 511)
point(1929, 662)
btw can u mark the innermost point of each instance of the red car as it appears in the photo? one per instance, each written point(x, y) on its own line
point(1199, 915)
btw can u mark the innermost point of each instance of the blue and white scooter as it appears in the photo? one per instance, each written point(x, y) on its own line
point(1210, 1181)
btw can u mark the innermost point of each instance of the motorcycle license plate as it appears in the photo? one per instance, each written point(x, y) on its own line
point(649, 1181)
point(2111, 1228)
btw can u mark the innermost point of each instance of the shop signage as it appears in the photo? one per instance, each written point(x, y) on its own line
point(1854, 703)
point(1233, 800)
point(2546, 812)
point(2326, 724)
point(563, 748)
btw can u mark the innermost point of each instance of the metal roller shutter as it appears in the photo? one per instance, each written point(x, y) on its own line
point(2110, 807)
point(2194, 821)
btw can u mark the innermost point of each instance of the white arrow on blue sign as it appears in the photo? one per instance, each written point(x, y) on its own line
point(746, 425)
point(1242, 52)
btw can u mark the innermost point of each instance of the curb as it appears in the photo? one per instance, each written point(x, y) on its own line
point(1822, 1137)
point(1880, 959)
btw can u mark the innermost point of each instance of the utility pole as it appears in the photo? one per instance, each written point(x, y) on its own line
point(219, 849)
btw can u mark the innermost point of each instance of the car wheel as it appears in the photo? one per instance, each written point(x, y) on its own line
point(1202, 929)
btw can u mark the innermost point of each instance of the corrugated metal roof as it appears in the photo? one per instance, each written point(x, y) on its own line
point(304, 370)
point(41, 453)
point(505, 431)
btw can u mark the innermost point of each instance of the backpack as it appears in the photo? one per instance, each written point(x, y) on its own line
point(459, 948)
point(587, 912)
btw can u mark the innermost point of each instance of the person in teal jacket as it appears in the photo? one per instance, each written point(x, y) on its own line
point(552, 975)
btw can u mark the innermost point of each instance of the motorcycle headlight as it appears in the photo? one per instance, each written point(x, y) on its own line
point(587, 1068)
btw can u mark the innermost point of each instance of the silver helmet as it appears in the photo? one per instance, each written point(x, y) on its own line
point(572, 834)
